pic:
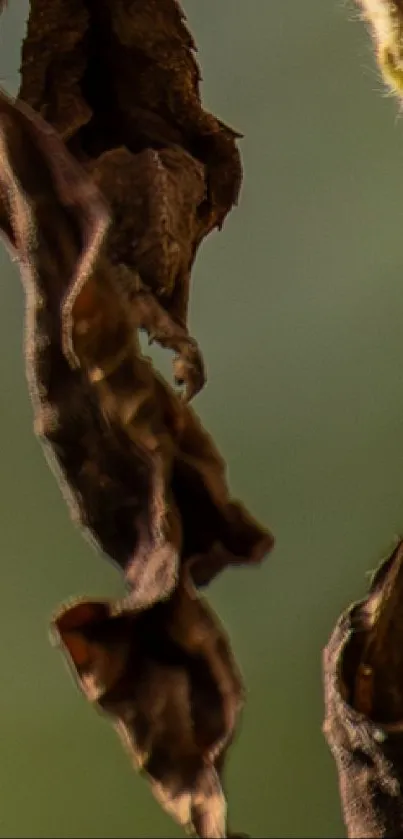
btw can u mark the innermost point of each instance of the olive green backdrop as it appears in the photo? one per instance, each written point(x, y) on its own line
point(298, 305)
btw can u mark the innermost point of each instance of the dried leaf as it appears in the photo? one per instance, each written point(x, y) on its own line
point(153, 494)
point(139, 470)
point(54, 219)
point(106, 243)
point(168, 680)
point(119, 81)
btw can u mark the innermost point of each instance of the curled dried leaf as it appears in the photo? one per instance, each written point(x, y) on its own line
point(119, 82)
point(168, 680)
point(142, 475)
point(124, 72)
point(151, 492)
point(54, 220)
point(105, 215)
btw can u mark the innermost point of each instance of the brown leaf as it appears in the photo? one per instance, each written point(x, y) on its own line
point(130, 69)
point(119, 81)
point(54, 219)
point(363, 687)
point(168, 680)
point(142, 475)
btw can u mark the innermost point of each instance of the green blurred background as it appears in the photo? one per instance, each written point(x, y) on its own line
point(298, 306)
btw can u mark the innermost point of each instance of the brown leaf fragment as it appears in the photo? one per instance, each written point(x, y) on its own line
point(140, 472)
point(53, 218)
point(165, 673)
point(137, 83)
point(119, 82)
point(104, 213)
point(168, 680)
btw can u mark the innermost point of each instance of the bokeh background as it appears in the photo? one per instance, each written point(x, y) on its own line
point(298, 305)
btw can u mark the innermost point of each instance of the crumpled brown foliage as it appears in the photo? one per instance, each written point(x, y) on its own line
point(132, 453)
point(168, 679)
point(119, 81)
point(104, 201)
point(143, 477)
